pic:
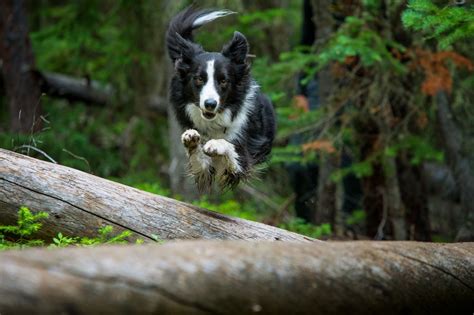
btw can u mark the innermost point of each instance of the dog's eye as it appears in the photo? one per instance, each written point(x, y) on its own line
point(198, 80)
point(223, 82)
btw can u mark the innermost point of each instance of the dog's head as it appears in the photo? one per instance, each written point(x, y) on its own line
point(213, 81)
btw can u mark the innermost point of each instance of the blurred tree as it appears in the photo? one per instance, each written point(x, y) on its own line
point(17, 64)
point(326, 208)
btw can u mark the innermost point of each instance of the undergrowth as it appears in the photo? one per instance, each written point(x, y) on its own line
point(23, 234)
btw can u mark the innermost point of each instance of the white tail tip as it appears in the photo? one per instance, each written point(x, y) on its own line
point(211, 16)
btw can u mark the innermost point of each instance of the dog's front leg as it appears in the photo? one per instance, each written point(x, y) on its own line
point(226, 161)
point(200, 164)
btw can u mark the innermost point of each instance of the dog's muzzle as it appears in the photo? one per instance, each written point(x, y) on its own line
point(210, 106)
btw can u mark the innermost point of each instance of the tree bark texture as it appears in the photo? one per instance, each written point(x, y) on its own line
point(78, 203)
point(235, 277)
point(22, 86)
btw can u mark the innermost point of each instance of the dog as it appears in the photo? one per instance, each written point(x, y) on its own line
point(229, 124)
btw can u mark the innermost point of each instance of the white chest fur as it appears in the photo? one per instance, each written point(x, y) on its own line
point(223, 126)
point(210, 129)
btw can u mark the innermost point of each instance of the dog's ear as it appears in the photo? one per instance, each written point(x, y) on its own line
point(186, 51)
point(237, 49)
point(186, 48)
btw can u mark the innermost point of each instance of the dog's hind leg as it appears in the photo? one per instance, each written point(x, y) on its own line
point(200, 165)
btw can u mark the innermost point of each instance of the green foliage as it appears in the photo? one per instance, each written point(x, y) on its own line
point(300, 226)
point(356, 38)
point(154, 188)
point(447, 25)
point(86, 38)
point(27, 225)
point(359, 169)
point(287, 154)
point(420, 149)
point(356, 217)
point(22, 234)
point(105, 236)
point(229, 207)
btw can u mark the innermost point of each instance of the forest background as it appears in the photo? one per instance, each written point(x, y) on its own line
point(389, 151)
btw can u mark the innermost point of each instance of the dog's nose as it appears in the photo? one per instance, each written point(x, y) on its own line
point(210, 104)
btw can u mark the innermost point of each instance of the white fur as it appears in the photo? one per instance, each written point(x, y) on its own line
point(188, 136)
point(210, 129)
point(198, 161)
point(211, 17)
point(222, 126)
point(225, 149)
point(209, 89)
point(234, 131)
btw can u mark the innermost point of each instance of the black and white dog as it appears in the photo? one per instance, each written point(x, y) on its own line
point(230, 124)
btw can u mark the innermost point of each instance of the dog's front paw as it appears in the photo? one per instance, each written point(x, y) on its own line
point(216, 147)
point(190, 138)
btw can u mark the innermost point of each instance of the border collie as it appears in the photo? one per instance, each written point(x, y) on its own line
point(229, 123)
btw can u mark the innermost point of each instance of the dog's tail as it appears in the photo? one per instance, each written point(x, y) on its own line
point(180, 31)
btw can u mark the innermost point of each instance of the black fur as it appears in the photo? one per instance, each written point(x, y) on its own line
point(233, 83)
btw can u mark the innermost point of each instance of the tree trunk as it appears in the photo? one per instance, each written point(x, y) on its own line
point(327, 191)
point(326, 194)
point(463, 173)
point(91, 92)
point(415, 197)
point(75, 89)
point(78, 203)
point(235, 277)
point(22, 86)
point(393, 200)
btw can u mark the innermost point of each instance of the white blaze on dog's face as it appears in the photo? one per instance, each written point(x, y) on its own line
point(215, 83)
point(209, 98)
point(210, 86)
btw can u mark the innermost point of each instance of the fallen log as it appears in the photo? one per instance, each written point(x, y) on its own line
point(78, 203)
point(235, 277)
point(89, 91)
point(84, 89)
point(75, 89)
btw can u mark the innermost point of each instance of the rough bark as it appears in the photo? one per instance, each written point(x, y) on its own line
point(78, 203)
point(22, 86)
point(233, 277)
point(452, 139)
